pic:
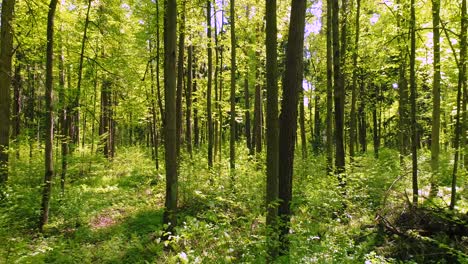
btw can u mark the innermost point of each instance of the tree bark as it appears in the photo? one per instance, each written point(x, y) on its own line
point(6, 53)
point(375, 127)
point(339, 96)
point(49, 125)
point(232, 141)
point(76, 103)
point(258, 117)
point(17, 103)
point(288, 118)
point(461, 86)
point(188, 102)
point(208, 91)
point(63, 118)
point(352, 127)
point(413, 96)
point(170, 27)
point(180, 79)
point(302, 124)
point(329, 131)
point(248, 135)
point(435, 134)
point(272, 127)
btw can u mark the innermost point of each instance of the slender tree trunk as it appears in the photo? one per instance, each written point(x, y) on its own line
point(339, 96)
point(180, 79)
point(188, 102)
point(317, 125)
point(272, 127)
point(208, 91)
point(158, 52)
point(329, 89)
point(232, 141)
point(288, 119)
point(375, 127)
point(352, 128)
point(49, 166)
point(302, 124)
point(170, 28)
point(258, 118)
point(154, 116)
point(248, 135)
point(435, 136)
point(362, 118)
point(104, 128)
point(63, 118)
point(6, 53)
point(414, 127)
point(76, 103)
point(196, 129)
point(17, 103)
point(461, 86)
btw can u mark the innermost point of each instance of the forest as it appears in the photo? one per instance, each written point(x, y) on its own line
point(233, 131)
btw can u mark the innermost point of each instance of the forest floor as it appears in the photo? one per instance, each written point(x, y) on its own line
point(111, 212)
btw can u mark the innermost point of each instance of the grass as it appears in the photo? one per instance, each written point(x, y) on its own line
point(111, 212)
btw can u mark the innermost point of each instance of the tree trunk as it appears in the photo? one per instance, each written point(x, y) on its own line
point(104, 128)
point(414, 127)
point(248, 135)
point(63, 118)
point(352, 127)
point(154, 128)
point(180, 79)
point(170, 27)
point(435, 136)
point(288, 119)
point(232, 141)
point(375, 127)
point(208, 91)
point(49, 166)
point(6, 53)
point(317, 125)
point(362, 119)
point(339, 96)
point(188, 103)
point(76, 103)
point(158, 50)
point(196, 129)
point(258, 118)
point(461, 85)
point(17, 103)
point(272, 132)
point(329, 89)
point(302, 124)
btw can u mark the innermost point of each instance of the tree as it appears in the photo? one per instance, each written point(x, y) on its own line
point(272, 132)
point(188, 102)
point(435, 136)
point(208, 91)
point(248, 135)
point(49, 124)
point(461, 86)
point(76, 104)
point(232, 123)
point(257, 138)
point(288, 117)
point(339, 95)
point(414, 131)
point(170, 27)
point(6, 53)
point(352, 126)
point(329, 89)
point(180, 78)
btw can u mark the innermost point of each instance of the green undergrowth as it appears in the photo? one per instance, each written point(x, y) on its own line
point(111, 212)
